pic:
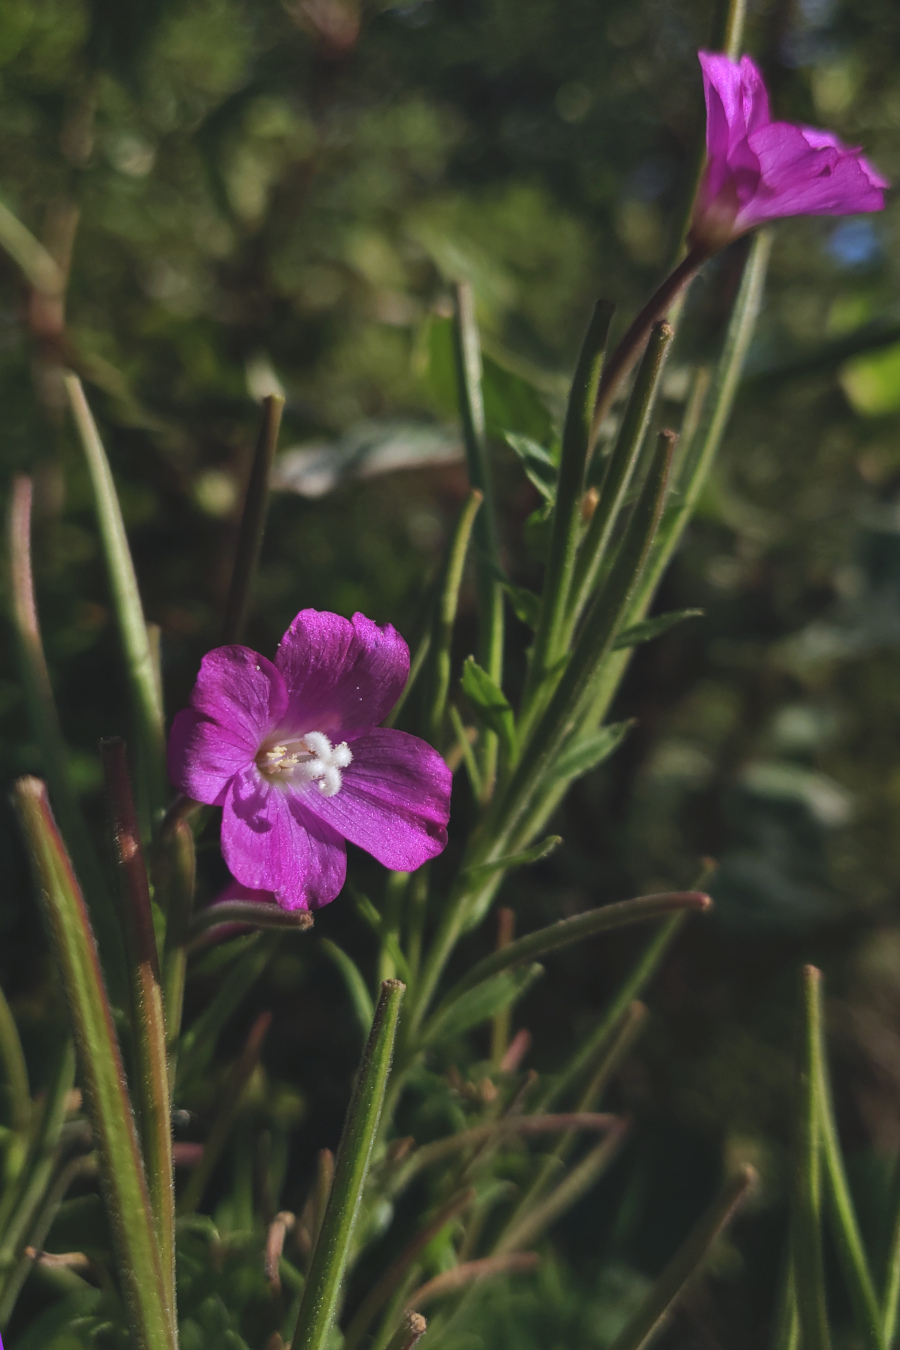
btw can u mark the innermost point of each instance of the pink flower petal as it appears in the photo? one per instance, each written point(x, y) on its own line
point(803, 178)
point(395, 799)
point(342, 675)
point(240, 690)
point(203, 757)
point(271, 844)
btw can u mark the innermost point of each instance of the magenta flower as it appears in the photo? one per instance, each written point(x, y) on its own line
point(293, 754)
point(758, 170)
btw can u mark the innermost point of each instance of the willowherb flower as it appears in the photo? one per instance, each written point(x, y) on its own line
point(758, 170)
point(292, 752)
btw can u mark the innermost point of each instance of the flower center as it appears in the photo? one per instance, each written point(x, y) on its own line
point(311, 759)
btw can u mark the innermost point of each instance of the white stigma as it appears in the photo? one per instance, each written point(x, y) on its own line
point(311, 759)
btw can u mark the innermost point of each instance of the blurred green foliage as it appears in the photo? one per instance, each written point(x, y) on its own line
point(253, 195)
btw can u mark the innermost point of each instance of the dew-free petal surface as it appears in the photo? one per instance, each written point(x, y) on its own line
point(395, 799)
point(343, 675)
point(204, 756)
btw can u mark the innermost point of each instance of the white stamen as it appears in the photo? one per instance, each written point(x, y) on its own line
point(311, 758)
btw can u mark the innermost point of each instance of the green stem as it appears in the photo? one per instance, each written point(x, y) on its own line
point(567, 507)
point(806, 1220)
point(321, 1295)
point(445, 617)
point(134, 1234)
point(654, 1312)
point(253, 521)
point(851, 1250)
point(144, 691)
point(467, 352)
point(620, 471)
point(148, 1028)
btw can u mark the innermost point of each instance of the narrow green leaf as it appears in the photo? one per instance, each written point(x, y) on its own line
point(528, 855)
point(806, 1219)
point(489, 703)
point(356, 986)
point(467, 354)
point(653, 1313)
point(651, 628)
point(253, 520)
point(589, 752)
point(174, 879)
point(476, 1005)
point(150, 1314)
point(540, 466)
point(565, 931)
point(145, 702)
point(321, 1294)
point(148, 1028)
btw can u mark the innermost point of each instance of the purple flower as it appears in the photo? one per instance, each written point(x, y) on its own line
point(758, 170)
point(293, 754)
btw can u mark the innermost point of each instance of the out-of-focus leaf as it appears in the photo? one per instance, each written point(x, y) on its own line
point(651, 628)
point(489, 703)
point(872, 382)
point(366, 450)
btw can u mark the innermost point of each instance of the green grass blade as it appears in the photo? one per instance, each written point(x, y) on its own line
point(140, 667)
point(150, 1314)
point(439, 654)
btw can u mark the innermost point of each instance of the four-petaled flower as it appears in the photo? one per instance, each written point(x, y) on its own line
point(293, 754)
point(758, 170)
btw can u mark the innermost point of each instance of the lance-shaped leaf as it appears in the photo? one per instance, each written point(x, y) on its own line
point(589, 752)
point(654, 1312)
point(150, 1314)
point(321, 1294)
point(140, 667)
point(576, 929)
point(651, 628)
point(148, 1028)
point(474, 1006)
point(489, 703)
point(543, 849)
point(525, 604)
